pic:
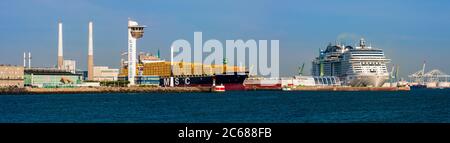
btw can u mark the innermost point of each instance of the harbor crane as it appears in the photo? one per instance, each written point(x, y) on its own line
point(300, 69)
point(433, 76)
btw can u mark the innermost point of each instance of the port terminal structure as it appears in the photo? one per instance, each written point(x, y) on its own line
point(433, 79)
point(431, 76)
point(135, 31)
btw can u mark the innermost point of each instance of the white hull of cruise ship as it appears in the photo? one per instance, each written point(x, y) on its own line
point(367, 80)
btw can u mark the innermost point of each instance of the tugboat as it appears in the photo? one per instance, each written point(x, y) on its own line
point(217, 88)
point(286, 88)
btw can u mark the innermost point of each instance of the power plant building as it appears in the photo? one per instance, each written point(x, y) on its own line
point(51, 78)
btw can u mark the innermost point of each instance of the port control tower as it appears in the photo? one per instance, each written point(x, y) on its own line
point(135, 31)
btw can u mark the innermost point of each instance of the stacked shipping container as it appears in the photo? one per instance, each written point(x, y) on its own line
point(181, 68)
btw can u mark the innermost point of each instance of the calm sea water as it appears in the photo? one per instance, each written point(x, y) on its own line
point(417, 106)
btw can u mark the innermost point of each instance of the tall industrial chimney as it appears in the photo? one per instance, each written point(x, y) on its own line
point(24, 60)
point(29, 59)
point(90, 53)
point(60, 45)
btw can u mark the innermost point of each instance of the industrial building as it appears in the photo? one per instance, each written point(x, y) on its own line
point(50, 78)
point(70, 65)
point(102, 73)
point(11, 76)
point(84, 74)
point(65, 75)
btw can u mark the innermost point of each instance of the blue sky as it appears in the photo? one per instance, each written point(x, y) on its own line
point(410, 31)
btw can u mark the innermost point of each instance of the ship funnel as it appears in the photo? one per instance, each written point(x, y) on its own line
point(362, 43)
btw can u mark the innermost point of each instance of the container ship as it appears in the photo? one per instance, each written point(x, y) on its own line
point(185, 74)
point(359, 66)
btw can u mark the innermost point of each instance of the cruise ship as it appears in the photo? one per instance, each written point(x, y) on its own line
point(358, 66)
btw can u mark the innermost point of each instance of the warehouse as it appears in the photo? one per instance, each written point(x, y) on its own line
point(51, 78)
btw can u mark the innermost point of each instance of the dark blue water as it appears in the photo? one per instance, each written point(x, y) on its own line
point(237, 107)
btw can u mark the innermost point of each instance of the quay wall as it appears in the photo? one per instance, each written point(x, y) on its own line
point(342, 88)
point(104, 90)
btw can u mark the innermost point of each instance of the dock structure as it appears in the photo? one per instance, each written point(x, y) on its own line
point(431, 76)
point(344, 88)
point(432, 79)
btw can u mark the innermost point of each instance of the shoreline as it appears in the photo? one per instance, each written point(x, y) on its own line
point(90, 90)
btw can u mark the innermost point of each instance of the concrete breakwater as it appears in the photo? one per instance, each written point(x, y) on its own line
point(343, 88)
point(103, 90)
